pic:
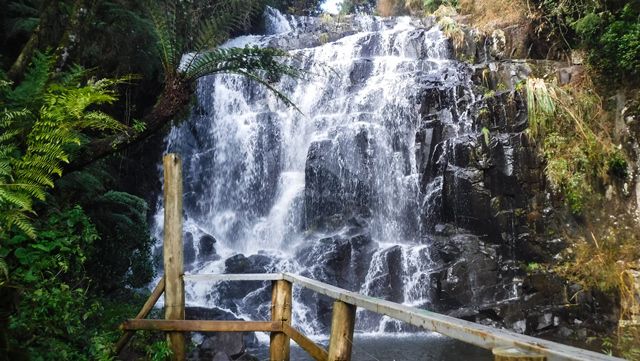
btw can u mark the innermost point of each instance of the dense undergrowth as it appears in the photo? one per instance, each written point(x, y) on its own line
point(83, 85)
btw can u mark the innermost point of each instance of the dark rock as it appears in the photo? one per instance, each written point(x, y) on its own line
point(202, 313)
point(228, 344)
point(253, 264)
point(207, 250)
point(221, 356)
point(333, 192)
point(246, 357)
point(189, 252)
point(387, 282)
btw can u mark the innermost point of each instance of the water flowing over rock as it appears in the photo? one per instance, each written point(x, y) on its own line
point(402, 176)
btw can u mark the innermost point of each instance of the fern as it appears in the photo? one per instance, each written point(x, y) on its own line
point(262, 65)
point(43, 118)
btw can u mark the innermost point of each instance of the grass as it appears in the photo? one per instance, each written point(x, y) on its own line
point(489, 15)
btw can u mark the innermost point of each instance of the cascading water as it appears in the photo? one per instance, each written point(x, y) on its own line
point(336, 191)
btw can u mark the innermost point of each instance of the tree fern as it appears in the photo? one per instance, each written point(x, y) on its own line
point(202, 44)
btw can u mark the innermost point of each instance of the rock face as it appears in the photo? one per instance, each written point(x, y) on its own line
point(410, 177)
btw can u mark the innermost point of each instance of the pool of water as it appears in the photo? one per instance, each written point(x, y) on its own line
point(396, 347)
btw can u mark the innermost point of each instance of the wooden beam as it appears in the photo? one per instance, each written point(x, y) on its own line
point(146, 308)
point(233, 277)
point(318, 353)
point(201, 326)
point(281, 307)
point(172, 252)
point(470, 332)
point(343, 320)
point(515, 354)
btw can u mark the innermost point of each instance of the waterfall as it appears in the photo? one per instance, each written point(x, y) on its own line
point(338, 191)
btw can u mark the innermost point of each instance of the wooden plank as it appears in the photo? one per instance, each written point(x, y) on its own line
point(201, 326)
point(234, 277)
point(281, 309)
point(343, 320)
point(146, 308)
point(469, 332)
point(172, 252)
point(515, 354)
point(318, 353)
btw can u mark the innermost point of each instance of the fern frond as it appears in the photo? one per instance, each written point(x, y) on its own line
point(15, 199)
point(163, 16)
point(100, 121)
point(20, 221)
point(227, 16)
point(235, 60)
point(29, 92)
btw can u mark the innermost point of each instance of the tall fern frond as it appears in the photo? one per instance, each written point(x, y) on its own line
point(29, 92)
point(263, 65)
point(163, 16)
point(226, 17)
point(36, 134)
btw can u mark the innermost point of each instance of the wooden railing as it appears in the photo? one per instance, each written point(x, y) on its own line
point(505, 345)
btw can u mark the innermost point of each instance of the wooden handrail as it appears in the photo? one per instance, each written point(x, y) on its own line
point(201, 326)
point(470, 332)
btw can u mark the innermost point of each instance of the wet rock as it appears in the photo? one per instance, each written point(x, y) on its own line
point(207, 250)
point(189, 250)
point(203, 313)
point(333, 192)
point(387, 280)
point(341, 259)
point(241, 264)
point(233, 295)
point(222, 345)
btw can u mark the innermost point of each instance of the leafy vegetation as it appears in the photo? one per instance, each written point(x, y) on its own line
point(571, 126)
point(607, 30)
point(75, 245)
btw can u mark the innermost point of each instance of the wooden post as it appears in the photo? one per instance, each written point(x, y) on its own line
point(515, 354)
point(146, 308)
point(342, 323)
point(172, 248)
point(281, 302)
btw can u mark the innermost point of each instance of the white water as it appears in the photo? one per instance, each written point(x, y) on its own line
point(246, 156)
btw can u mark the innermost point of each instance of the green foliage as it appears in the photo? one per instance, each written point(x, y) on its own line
point(431, 6)
point(572, 129)
point(201, 43)
point(608, 30)
point(42, 120)
point(486, 133)
point(53, 303)
point(357, 6)
point(159, 351)
point(113, 263)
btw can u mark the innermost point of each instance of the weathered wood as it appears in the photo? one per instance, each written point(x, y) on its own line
point(343, 321)
point(466, 331)
point(281, 308)
point(172, 248)
point(201, 326)
point(146, 308)
point(482, 336)
point(233, 277)
point(515, 354)
point(315, 351)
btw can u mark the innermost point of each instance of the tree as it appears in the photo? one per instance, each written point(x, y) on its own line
point(204, 58)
